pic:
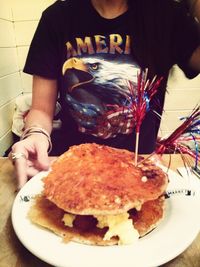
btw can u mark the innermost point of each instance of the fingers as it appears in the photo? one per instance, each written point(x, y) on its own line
point(19, 159)
point(31, 171)
point(42, 157)
point(29, 156)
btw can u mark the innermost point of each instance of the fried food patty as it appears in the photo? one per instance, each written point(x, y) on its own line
point(97, 179)
point(85, 230)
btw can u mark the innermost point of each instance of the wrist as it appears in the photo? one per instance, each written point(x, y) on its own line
point(36, 130)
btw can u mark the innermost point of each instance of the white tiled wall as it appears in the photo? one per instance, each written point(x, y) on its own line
point(18, 20)
point(5, 10)
point(182, 97)
point(10, 82)
point(26, 15)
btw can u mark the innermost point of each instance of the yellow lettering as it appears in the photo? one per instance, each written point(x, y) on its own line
point(87, 46)
point(100, 44)
point(84, 46)
point(71, 52)
point(115, 42)
point(127, 49)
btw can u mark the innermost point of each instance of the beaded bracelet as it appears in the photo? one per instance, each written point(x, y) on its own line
point(37, 130)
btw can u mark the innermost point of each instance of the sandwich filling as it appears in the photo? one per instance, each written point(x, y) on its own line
point(104, 230)
point(118, 225)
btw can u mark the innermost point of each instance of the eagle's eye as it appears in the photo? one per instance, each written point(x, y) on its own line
point(94, 66)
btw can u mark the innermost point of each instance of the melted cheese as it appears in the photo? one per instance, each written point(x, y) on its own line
point(68, 219)
point(119, 225)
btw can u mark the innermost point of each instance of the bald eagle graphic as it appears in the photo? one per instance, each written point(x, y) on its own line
point(98, 95)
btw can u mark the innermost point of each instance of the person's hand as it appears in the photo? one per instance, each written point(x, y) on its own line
point(29, 157)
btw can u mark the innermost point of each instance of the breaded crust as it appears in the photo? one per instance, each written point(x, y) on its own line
point(48, 215)
point(97, 179)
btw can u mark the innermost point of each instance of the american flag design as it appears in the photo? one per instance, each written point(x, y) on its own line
point(117, 120)
point(98, 96)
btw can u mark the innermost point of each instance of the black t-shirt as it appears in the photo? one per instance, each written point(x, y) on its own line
point(93, 60)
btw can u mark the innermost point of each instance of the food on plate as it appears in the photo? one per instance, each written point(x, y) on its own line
point(94, 194)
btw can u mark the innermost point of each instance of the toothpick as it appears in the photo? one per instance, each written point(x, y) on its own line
point(136, 147)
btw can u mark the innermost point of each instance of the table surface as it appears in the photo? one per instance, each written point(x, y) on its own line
point(14, 254)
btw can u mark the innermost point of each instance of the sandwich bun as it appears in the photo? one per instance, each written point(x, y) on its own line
point(94, 194)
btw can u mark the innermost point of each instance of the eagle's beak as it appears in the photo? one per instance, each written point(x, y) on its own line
point(73, 63)
point(77, 71)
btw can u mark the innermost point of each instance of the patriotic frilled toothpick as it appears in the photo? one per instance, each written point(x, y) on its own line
point(140, 104)
point(188, 131)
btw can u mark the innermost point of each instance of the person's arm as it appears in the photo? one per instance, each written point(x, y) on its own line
point(43, 103)
point(194, 62)
point(194, 6)
point(195, 58)
point(31, 153)
point(187, 38)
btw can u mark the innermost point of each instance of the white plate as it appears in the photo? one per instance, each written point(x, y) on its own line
point(174, 234)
